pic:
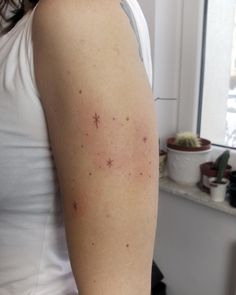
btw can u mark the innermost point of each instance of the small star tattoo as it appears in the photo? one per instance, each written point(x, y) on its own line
point(96, 119)
point(75, 205)
point(109, 163)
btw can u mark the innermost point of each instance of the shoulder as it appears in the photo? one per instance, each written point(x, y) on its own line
point(75, 15)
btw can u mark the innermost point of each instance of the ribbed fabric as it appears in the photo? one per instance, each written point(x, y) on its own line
point(33, 253)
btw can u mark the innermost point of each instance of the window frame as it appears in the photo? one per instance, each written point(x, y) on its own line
point(192, 72)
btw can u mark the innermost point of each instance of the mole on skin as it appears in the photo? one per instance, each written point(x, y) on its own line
point(75, 205)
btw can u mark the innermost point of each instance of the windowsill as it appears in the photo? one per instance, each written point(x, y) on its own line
point(194, 194)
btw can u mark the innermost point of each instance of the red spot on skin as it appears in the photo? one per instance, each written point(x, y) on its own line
point(96, 119)
point(145, 139)
point(109, 163)
point(75, 205)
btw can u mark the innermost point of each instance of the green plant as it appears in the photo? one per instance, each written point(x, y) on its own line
point(187, 139)
point(220, 165)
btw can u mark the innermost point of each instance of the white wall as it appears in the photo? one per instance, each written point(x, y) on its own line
point(195, 248)
point(164, 18)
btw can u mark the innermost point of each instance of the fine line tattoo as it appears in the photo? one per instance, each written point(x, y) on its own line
point(96, 119)
point(109, 163)
point(125, 6)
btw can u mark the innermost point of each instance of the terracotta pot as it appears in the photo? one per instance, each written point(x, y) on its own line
point(207, 171)
point(205, 145)
point(183, 162)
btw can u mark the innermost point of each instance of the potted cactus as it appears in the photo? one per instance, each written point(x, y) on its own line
point(219, 183)
point(210, 169)
point(186, 151)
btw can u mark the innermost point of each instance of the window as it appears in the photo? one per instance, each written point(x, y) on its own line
point(217, 113)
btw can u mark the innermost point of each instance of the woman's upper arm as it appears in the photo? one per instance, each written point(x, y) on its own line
point(103, 133)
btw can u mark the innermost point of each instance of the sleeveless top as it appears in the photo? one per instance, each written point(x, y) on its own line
point(33, 253)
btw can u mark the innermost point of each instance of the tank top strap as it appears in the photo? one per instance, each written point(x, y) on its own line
point(29, 48)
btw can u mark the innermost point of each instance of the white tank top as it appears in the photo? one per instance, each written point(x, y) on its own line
point(33, 253)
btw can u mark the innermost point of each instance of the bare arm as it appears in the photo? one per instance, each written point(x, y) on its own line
point(103, 132)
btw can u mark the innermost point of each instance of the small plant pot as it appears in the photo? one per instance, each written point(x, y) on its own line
point(218, 190)
point(207, 171)
point(232, 194)
point(162, 163)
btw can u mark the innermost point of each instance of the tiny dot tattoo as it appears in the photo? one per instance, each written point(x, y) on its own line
point(145, 139)
point(109, 163)
point(96, 119)
point(75, 205)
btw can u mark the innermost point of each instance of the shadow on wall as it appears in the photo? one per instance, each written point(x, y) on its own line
point(231, 274)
